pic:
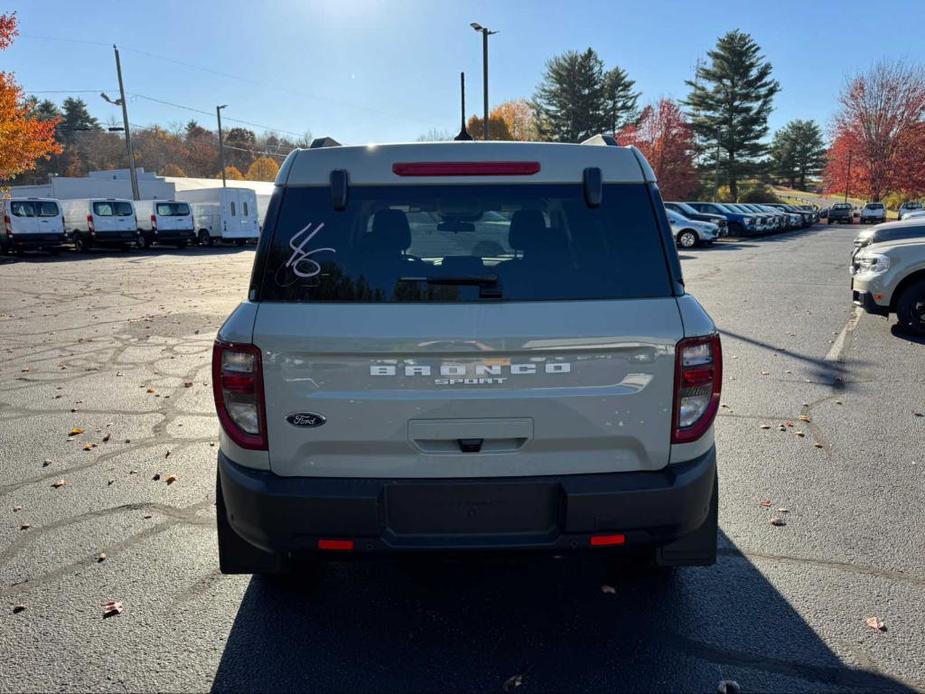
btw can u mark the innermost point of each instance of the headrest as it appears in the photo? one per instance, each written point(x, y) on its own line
point(527, 227)
point(390, 230)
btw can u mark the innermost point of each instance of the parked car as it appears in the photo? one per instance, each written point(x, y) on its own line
point(792, 219)
point(810, 210)
point(873, 213)
point(688, 232)
point(914, 214)
point(803, 217)
point(909, 207)
point(776, 221)
point(889, 277)
point(686, 210)
point(891, 231)
point(840, 212)
point(93, 222)
point(740, 223)
point(403, 378)
point(165, 222)
point(223, 214)
point(31, 223)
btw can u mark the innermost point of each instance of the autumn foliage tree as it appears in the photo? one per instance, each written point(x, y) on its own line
point(666, 139)
point(880, 124)
point(263, 169)
point(232, 173)
point(25, 137)
point(497, 128)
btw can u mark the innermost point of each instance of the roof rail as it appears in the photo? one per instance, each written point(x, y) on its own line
point(323, 142)
point(603, 139)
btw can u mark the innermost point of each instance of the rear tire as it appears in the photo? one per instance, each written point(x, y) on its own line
point(910, 308)
point(205, 240)
point(80, 245)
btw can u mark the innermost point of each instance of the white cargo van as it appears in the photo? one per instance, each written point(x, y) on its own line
point(31, 223)
point(164, 222)
point(223, 214)
point(94, 222)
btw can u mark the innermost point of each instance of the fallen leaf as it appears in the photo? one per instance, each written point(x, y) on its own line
point(610, 590)
point(151, 390)
point(800, 434)
point(782, 428)
point(109, 483)
point(170, 479)
point(156, 477)
point(875, 624)
point(817, 445)
point(59, 483)
point(128, 440)
point(18, 608)
point(804, 418)
point(107, 437)
point(512, 682)
point(783, 510)
point(146, 516)
point(778, 521)
point(765, 426)
point(839, 402)
point(17, 508)
point(765, 504)
point(918, 414)
point(24, 526)
point(167, 454)
point(112, 608)
point(46, 463)
point(88, 446)
point(728, 687)
point(765, 373)
point(102, 557)
point(187, 384)
point(76, 431)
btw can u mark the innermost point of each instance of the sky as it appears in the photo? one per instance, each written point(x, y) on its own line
point(388, 70)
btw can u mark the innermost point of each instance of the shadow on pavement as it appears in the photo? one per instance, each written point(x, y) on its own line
point(903, 334)
point(68, 256)
point(471, 625)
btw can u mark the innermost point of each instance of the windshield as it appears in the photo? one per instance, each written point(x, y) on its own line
point(112, 208)
point(171, 209)
point(466, 243)
point(685, 208)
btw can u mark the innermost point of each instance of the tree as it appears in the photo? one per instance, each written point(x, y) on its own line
point(240, 144)
point(729, 103)
point(570, 102)
point(497, 128)
point(798, 152)
point(24, 136)
point(519, 118)
point(75, 118)
point(845, 172)
point(263, 169)
point(620, 99)
point(881, 110)
point(435, 135)
point(666, 139)
point(173, 170)
point(232, 174)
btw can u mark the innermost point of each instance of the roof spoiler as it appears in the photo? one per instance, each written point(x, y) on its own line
point(603, 139)
point(324, 142)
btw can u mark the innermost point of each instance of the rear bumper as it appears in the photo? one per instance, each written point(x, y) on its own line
point(37, 240)
point(285, 514)
point(105, 238)
point(171, 235)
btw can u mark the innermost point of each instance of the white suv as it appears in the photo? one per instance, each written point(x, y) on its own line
point(466, 346)
point(873, 213)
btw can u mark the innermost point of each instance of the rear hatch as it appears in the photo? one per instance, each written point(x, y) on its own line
point(114, 218)
point(35, 218)
point(466, 331)
point(240, 211)
point(173, 216)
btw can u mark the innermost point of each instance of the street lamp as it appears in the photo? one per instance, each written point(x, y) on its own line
point(221, 144)
point(486, 32)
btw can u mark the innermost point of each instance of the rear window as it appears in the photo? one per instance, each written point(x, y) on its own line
point(875, 206)
point(464, 243)
point(171, 209)
point(841, 206)
point(112, 209)
point(46, 208)
point(22, 209)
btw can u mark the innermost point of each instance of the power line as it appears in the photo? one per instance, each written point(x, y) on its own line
point(66, 91)
point(209, 113)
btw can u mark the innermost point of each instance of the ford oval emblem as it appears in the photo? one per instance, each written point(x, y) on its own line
point(306, 419)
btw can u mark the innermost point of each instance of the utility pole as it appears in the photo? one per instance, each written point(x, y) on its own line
point(848, 177)
point(221, 143)
point(136, 195)
point(486, 32)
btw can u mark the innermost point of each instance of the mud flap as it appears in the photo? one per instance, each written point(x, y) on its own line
point(699, 547)
point(235, 554)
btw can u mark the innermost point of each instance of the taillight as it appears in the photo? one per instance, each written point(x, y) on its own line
point(154, 222)
point(237, 383)
point(698, 381)
point(8, 223)
point(466, 168)
point(90, 223)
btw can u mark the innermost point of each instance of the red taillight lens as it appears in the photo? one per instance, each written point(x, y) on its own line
point(8, 223)
point(154, 222)
point(698, 381)
point(466, 168)
point(336, 545)
point(90, 223)
point(237, 383)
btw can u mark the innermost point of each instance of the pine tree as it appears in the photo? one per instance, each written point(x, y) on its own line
point(798, 152)
point(620, 99)
point(729, 104)
point(570, 102)
point(75, 117)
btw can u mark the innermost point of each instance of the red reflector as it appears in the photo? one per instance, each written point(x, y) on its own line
point(337, 545)
point(697, 376)
point(239, 383)
point(466, 168)
point(607, 540)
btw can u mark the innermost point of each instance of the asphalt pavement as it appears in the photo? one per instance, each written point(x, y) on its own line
point(118, 345)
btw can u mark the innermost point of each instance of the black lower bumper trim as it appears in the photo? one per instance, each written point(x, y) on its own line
point(37, 240)
point(866, 301)
point(290, 514)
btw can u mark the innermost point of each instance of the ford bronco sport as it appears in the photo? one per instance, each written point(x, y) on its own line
point(466, 346)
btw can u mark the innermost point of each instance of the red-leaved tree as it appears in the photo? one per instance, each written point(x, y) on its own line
point(665, 137)
point(880, 123)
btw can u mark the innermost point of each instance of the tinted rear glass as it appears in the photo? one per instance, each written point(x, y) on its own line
point(22, 209)
point(171, 209)
point(46, 208)
point(465, 243)
point(112, 209)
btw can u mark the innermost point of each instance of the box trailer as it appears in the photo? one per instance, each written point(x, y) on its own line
point(31, 223)
point(165, 222)
point(223, 214)
point(91, 222)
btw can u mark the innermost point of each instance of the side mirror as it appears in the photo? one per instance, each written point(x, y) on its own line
point(340, 189)
point(593, 186)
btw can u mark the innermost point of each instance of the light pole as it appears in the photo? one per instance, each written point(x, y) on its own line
point(221, 144)
point(486, 32)
point(121, 101)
